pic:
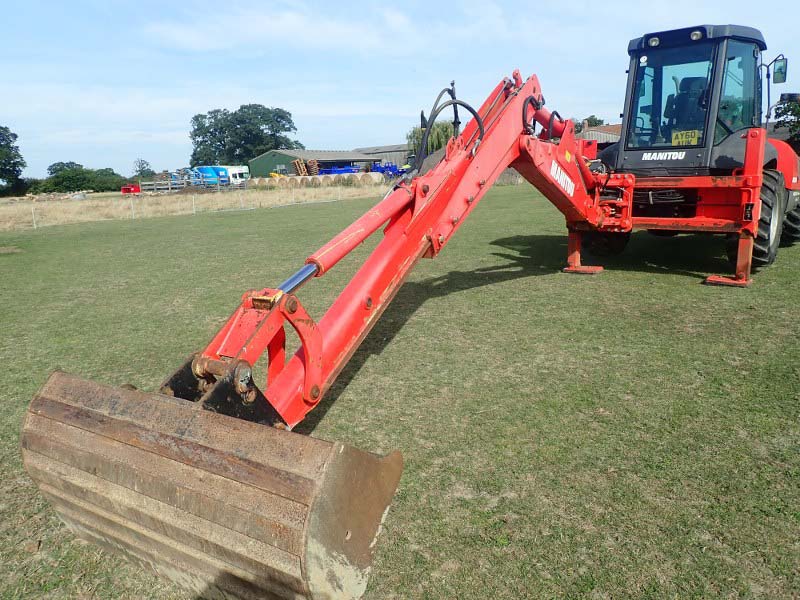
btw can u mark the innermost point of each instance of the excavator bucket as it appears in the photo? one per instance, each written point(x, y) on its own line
point(222, 506)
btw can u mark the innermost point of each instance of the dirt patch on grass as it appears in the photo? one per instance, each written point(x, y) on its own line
point(9, 250)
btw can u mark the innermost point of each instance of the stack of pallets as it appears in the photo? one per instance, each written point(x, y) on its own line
point(300, 167)
point(313, 167)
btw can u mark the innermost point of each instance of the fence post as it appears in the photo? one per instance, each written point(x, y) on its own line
point(33, 213)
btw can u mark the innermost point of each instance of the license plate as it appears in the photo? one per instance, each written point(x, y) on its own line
point(686, 138)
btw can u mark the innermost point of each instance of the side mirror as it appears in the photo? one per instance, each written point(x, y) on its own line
point(779, 71)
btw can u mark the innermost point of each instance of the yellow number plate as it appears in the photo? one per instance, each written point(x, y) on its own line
point(686, 138)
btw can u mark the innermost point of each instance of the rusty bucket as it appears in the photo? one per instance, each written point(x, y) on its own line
point(224, 507)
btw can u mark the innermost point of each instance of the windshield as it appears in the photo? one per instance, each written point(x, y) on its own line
point(670, 97)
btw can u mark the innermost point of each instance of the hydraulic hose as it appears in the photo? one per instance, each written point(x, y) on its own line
point(432, 119)
point(550, 123)
point(423, 149)
point(537, 105)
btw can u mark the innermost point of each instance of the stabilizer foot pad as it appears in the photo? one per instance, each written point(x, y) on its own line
point(729, 281)
point(584, 270)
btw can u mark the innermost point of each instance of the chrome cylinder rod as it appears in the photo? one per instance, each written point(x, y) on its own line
point(294, 282)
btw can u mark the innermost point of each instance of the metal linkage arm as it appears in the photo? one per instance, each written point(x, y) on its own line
point(420, 217)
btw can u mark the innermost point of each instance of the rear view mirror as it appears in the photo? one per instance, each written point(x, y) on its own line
point(779, 71)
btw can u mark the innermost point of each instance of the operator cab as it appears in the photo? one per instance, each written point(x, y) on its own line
point(690, 94)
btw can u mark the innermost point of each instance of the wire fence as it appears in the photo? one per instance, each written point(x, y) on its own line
point(170, 186)
point(34, 213)
point(27, 213)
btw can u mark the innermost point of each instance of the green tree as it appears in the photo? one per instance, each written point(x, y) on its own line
point(142, 169)
point(75, 179)
point(208, 137)
point(590, 121)
point(788, 116)
point(68, 180)
point(593, 121)
point(62, 166)
point(255, 129)
point(106, 180)
point(441, 132)
point(11, 161)
point(224, 137)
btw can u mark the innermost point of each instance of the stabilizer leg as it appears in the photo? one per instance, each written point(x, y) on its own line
point(744, 259)
point(574, 256)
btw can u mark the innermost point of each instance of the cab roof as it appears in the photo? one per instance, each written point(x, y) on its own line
point(680, 37)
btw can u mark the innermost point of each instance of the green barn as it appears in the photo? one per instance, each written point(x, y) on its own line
point(280, 161)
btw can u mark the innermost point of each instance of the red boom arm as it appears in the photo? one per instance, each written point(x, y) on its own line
point(420, 217)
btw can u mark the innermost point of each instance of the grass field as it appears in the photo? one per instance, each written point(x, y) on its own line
point(632, 434)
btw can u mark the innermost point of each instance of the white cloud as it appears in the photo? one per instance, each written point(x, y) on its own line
point(142, 107)
point(106, 136)
point(384, 31)
point(268, 27)
point(101, 125)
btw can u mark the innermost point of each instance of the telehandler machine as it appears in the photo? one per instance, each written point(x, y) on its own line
point(205, 483)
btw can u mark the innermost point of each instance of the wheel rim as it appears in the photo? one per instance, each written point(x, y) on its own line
point(773, 227)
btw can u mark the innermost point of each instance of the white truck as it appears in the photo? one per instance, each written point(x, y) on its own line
point(237, 174)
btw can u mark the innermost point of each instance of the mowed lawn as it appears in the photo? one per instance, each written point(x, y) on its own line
point(631, 434)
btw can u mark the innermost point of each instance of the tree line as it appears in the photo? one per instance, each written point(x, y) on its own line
point(218, 137)
point(223, 137)
point(66, 176)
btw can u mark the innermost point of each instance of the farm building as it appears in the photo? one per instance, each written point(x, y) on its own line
point(396, 153)
point(604, 134)
point(280, 161)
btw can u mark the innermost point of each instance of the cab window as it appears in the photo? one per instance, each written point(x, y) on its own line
point(739, 104)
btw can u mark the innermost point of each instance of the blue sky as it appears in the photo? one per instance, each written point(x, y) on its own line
point(104, 82)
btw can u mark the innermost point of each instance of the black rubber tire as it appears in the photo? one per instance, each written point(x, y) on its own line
point(770, 223)
point(603, 243)
point(791, 227)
